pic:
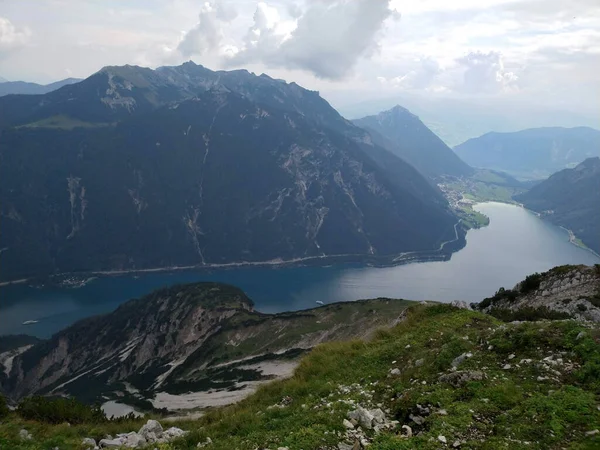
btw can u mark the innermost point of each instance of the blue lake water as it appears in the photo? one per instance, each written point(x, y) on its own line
point(515, 244)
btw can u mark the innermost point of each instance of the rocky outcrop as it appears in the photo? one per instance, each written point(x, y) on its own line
point(184, 340)
point(572, 290)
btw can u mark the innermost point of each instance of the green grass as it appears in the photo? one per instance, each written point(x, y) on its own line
point(511, 408)
point(62, 122)
point(471, 218)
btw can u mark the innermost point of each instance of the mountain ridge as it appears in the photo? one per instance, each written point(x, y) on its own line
point(570, 198)
point(188, 175)
point(403, 133)
point(534, 152)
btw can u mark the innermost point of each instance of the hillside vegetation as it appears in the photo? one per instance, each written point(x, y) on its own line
point(442, 378)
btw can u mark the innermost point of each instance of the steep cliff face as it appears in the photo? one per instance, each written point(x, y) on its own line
point(181, 339)
point(145, 179)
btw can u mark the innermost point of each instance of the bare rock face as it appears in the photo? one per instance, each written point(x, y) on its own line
point(573, 290)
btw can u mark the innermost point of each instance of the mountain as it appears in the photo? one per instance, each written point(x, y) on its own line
point(23, 87)
point(185, 338)
point(571, 198)
point(533, 153)
point(404, 135)
point(134, 168)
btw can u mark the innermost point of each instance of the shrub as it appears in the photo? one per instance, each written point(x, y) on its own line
point(59, 410)
point(531, 283)
point(528, 314)
point(3, 407)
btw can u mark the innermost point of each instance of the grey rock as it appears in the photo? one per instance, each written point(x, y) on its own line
point(460, 359)
point(378, 415)
point(152, 426)
point(89, 441)
point(442, 439)
point(460, 304)
point(344, 446)
point(417, 419)
point(419, 362)
point(348, 424)
point(174, 432)
point(362, 416)
point(423, 410)
point(406, 431)
point(111, 443)
point(462, 377)
point(395, 372)
point(205, 443)
point(581, 335)
point(592, 433)
point(134, 440)
point(25, 435)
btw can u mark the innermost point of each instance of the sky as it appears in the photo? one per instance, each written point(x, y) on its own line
point(545, 52)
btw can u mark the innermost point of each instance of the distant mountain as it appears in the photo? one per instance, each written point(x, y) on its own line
point(23, 87)
point(571, 198)
point(134, 168)
point(403, 134)
point(533, 153)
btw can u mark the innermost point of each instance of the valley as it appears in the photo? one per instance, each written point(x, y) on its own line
point(277, 289)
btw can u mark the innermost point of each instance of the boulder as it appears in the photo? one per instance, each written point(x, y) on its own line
point(462, 377)
point(111, 443)
point(89, 442)
point(152, 426)
point(134, 440)
point(174, 433)
point(25, 435)
point(362, 416)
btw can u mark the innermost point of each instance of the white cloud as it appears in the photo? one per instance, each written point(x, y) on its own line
point(485, 73)
point(11, 37)
point(208, 33)
point(329, 37)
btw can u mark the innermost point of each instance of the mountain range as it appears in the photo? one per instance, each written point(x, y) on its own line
point(403, 134)
point(135, 168)
point(532, 153)
point(24, 87)
point(570, 198)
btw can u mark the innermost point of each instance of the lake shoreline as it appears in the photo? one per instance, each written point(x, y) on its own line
point(442, 253)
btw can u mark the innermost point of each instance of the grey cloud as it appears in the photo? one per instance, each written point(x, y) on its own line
point(330, 37)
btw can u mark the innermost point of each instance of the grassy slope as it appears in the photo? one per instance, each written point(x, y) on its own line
point(509, 409)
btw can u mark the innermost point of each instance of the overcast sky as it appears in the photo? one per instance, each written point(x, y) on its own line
point(545, 51)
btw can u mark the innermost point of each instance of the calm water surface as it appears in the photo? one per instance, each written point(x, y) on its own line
point(515, 244)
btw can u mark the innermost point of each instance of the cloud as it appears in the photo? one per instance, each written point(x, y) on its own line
point(423, 76)
point(208, 33)
point(12, 37)
point(328, 39)
point(485, 73)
